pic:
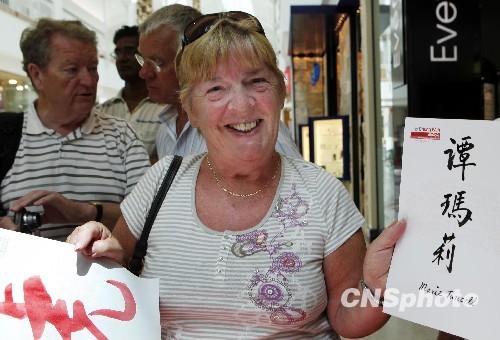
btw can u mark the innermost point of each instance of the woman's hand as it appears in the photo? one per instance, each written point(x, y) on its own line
point(93, 239)
point(379, 255)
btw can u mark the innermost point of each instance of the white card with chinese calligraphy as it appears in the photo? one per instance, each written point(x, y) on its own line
point(444, 269)
point(48, 291)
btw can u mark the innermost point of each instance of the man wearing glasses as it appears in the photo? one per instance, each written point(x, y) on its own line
point(132, 102)
point(160, 37)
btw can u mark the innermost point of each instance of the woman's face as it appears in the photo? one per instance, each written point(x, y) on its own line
point(237, 111)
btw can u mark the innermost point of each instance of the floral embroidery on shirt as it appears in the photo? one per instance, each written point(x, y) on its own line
point(270, 290)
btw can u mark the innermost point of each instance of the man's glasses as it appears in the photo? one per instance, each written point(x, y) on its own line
point(127, 52)
point(140, 59)
point(196, 28)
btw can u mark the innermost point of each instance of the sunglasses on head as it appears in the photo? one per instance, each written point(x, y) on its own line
point(203, 24)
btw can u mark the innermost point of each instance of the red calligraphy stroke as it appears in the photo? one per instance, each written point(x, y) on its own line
point(16, 310)
point(130, 306)
point(39, 310)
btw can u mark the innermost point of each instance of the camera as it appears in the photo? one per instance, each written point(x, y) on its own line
point(27, 221)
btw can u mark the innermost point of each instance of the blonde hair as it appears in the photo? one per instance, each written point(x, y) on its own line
point(240, 40)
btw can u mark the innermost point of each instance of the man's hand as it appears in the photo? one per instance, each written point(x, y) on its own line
point(7, 223)
point(56, 207)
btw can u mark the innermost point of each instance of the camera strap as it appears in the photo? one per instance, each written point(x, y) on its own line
point(136, 262)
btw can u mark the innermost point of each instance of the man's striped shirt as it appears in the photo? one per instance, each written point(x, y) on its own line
point(100, 161)
point(145, 119)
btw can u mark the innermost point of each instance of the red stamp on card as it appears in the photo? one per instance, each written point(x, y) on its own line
point(426, 133)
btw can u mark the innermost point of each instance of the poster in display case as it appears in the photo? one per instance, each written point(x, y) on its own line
point(304, 141)
point(329, 140)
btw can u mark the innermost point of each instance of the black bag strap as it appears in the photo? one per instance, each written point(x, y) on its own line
point(10, 135)
point(137, 261)
point(11, 126)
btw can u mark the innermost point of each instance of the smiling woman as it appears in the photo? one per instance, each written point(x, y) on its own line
point(269, 241)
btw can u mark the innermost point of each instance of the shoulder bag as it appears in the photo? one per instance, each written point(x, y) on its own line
point(136, 262)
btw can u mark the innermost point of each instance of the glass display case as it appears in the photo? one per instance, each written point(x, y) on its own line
point(329, 140)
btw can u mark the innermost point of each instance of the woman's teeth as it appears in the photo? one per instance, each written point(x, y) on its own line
point(244, 127)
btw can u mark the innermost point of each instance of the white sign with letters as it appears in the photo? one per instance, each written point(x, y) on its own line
point(444, 269)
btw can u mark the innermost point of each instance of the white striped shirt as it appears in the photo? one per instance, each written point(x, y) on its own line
point(145, 119)
point(191, 141)
point(264, 282)
point(100, 161)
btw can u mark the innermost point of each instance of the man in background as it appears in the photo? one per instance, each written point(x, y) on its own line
point(160, 35)
point(132, 102)
point(73, 164)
